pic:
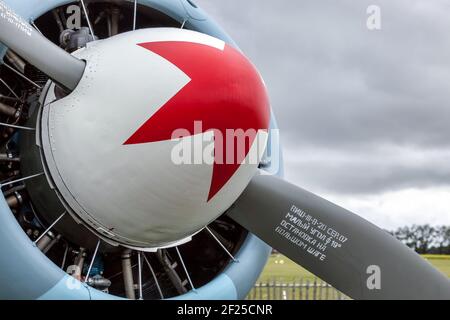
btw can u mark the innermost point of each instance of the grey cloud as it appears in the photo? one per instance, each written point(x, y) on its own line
point(361, 171)
point(337, 86)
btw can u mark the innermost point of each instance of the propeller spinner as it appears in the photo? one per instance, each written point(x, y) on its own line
point(148, 100)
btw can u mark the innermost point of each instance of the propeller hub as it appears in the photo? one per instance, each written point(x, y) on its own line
point(162, 134)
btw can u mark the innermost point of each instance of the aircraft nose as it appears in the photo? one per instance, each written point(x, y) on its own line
point(112, 146)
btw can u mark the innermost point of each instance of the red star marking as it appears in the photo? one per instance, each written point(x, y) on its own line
point(225, 92)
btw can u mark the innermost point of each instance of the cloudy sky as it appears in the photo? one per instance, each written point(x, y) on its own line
point(364, 114)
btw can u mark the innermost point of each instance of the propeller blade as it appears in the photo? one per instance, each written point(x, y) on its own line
point(350, 253)
point(23, 39)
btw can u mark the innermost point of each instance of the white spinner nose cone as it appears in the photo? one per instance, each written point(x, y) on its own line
point(108, 146)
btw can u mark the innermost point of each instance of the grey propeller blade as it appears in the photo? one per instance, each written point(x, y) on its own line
point(21, 37)
point(350, 253)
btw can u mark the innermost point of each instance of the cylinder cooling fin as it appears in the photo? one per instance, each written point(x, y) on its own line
point(48, 251)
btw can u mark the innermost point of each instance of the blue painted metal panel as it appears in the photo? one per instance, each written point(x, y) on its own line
point(68, 288)
point(221, 288)
point(26, 273)
point(252, 257)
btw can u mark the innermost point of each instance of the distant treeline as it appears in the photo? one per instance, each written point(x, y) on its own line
point(425, 239)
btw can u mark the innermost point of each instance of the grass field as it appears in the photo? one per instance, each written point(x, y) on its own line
point(442, 263)
point(282, 269)
point(282, 279)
